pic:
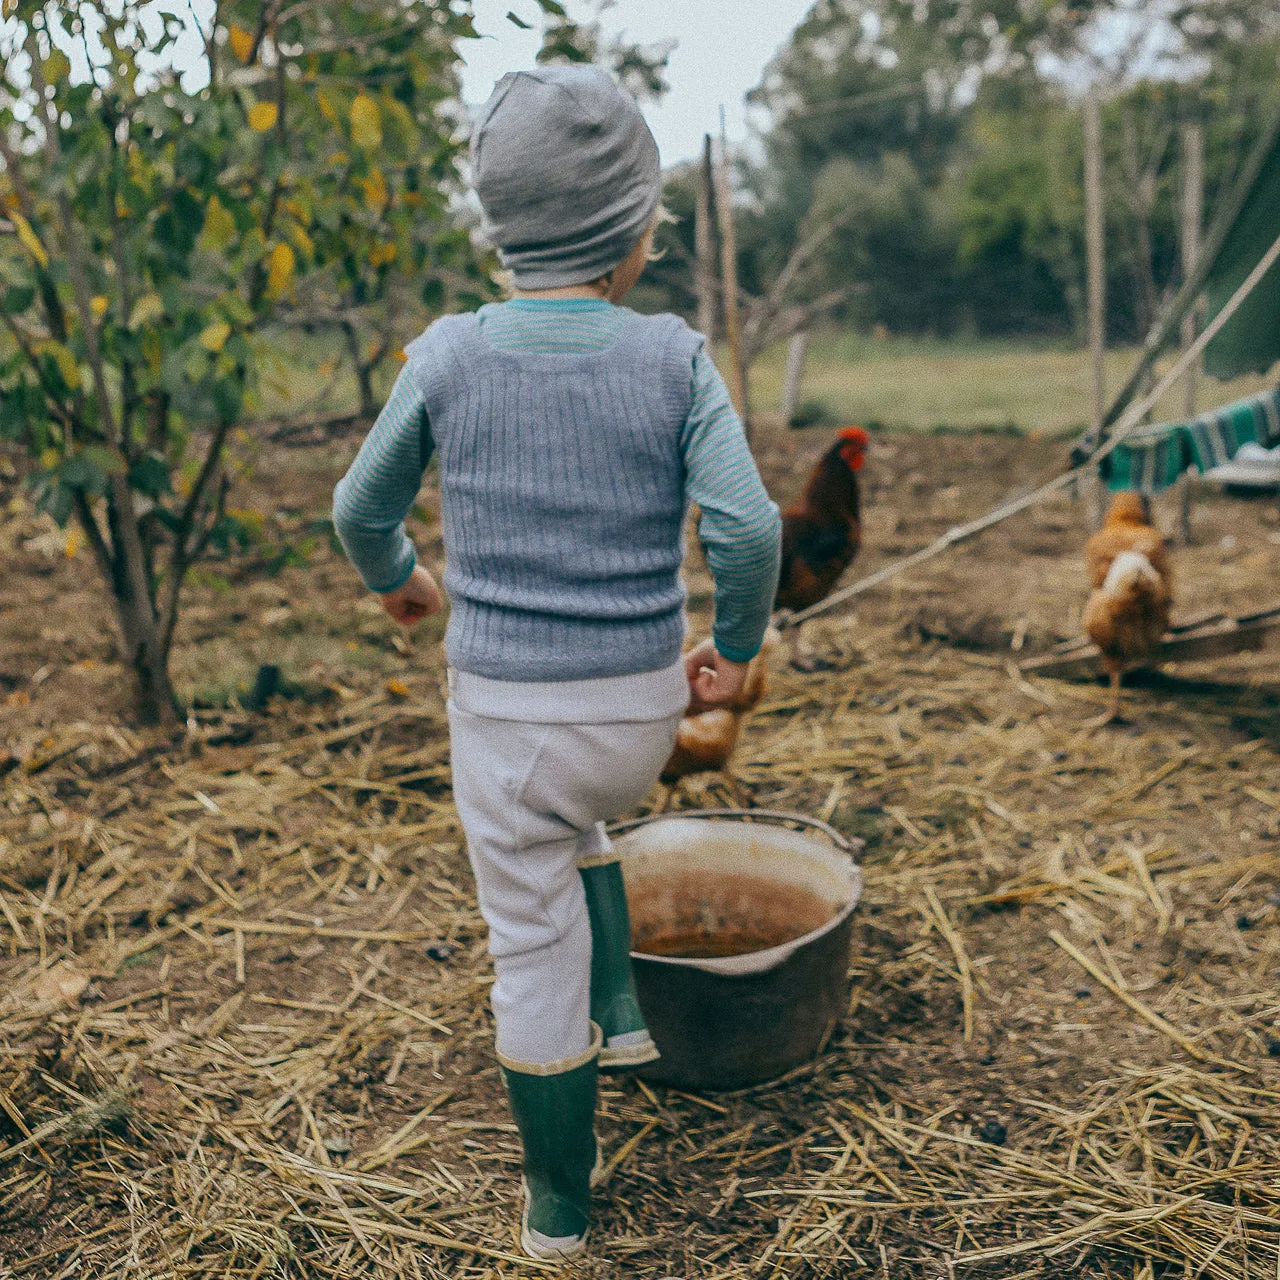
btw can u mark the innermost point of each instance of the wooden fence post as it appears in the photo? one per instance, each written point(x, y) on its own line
point(1096, 275)
point(1192, 218)
point(797, 349)
point(729, 281)
point(704, 270)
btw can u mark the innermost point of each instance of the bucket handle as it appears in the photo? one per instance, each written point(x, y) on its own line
point(852, 847)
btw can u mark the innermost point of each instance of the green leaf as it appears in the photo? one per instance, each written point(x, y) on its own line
point(17, 298)
point(150, 476)
point(515, 18)
point(57, 66)
point(81, 472)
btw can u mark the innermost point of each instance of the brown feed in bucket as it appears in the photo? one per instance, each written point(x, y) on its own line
point(741, 934)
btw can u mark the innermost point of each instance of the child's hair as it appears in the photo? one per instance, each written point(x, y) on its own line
point(662, 216)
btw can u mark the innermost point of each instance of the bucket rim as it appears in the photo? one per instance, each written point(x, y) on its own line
point(756, 962)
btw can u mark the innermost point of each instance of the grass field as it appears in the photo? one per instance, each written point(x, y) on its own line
point(921, 385)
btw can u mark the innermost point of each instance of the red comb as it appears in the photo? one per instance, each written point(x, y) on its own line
point(855, 435)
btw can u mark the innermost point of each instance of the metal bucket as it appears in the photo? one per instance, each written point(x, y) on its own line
point(740, 932)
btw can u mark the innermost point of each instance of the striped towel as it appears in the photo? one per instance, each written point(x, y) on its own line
point(1153, 458)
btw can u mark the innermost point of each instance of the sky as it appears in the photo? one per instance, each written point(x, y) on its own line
point(724, 46)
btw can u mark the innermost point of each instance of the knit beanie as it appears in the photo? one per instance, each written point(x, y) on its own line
point(567, 174)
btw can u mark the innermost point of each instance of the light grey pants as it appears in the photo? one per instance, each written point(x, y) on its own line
point(533, 799)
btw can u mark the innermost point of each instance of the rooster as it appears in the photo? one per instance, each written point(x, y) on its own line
point(822, 531)
point(1128, 612)
point(706, 740)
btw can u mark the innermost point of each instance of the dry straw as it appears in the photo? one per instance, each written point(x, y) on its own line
point(1056, 1060)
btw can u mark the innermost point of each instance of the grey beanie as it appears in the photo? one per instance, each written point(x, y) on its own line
point(567, 174)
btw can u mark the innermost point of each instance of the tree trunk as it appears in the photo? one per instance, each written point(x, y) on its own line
point(368, 402)
point(148, 664)
point(142, 648)
point(797, 349)
point(363, 371)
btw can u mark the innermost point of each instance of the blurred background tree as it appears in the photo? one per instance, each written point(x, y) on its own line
point(948, 136)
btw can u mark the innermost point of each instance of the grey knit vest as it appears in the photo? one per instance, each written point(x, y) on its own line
point(562, 497)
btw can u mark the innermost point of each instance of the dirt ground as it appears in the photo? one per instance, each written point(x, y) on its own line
point(244, 1028)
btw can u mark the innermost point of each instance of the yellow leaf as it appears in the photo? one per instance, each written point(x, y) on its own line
point(279, 269)
point(306, 246)
point(98, 305)
point(49, 459)
point(381, 254)
point(30, 241)
point(122, 209)
point(375, 189)
point(241, 42)
point(327, 109)
point(366, 123)
point(337, 159)
point(152, 351)
point(399, 354)
point(148, 309)
point(263, 116)
point(219, 225)
point(398, 688)
point(74, 539)
point(214, 336)
point(65, 361)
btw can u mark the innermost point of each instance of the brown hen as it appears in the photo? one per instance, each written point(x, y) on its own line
point(705, 741)
point(1127, 614)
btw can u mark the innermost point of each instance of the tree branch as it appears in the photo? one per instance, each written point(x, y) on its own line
point(88, 522)
point(71, 244)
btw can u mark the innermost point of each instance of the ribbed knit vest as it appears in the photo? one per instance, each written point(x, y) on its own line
point(562, 498)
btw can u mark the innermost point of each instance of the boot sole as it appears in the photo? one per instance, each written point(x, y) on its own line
point(553, 1253)
point(540, 1253)
point(636, 1055)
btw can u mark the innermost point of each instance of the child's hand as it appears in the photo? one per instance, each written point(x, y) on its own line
point(713, 679)
point(418, 598)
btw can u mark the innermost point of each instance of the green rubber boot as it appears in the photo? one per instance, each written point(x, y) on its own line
point(554, 1108)
point(614, 1006)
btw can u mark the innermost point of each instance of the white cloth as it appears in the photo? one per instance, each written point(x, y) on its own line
point(533, 798)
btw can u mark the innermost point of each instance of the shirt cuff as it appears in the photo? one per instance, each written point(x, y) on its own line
point(402, 577)
point(737, 655)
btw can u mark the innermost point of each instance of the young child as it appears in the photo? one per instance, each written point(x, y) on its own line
point(571, 435)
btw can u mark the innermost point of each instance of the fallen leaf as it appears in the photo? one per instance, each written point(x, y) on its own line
point(398, 688)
